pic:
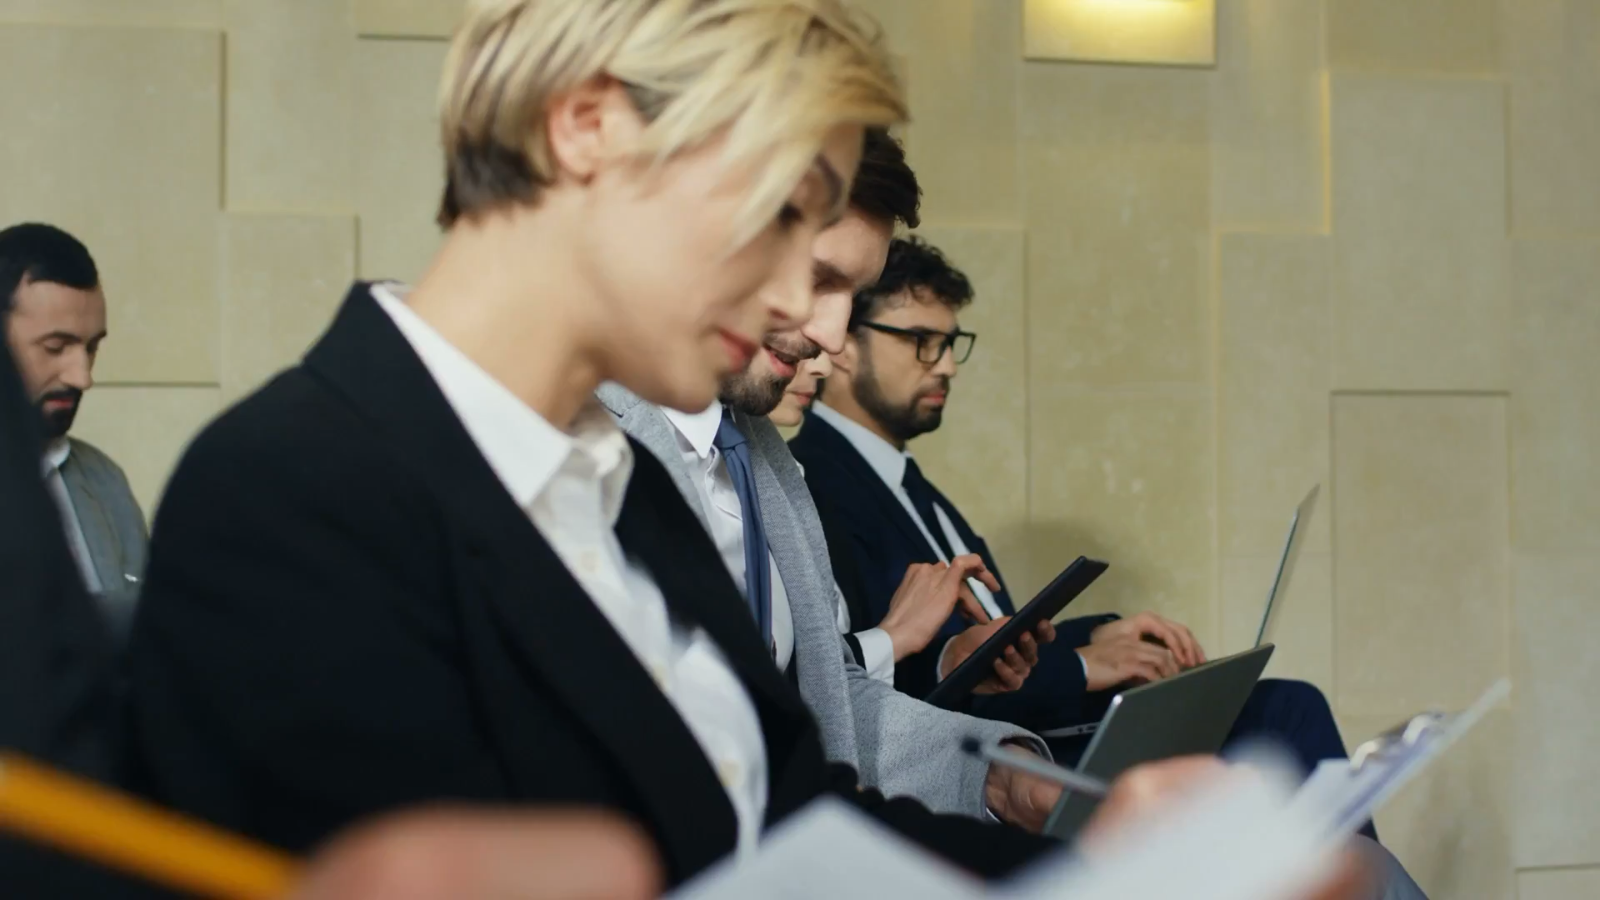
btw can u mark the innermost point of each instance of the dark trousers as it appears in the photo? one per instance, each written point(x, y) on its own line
point(1296, 715)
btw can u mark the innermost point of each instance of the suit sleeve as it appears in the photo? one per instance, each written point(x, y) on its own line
point(281, 618)
point(986, 849)
point(907, 747)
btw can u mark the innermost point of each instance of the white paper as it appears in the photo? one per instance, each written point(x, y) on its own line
point(1249, 836)
point(832, 851)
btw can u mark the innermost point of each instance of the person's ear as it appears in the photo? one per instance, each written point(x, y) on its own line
point(590, 125)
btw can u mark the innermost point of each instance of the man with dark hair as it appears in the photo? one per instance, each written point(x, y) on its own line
point(734, 469)
point(889, 386)
point(55, 319)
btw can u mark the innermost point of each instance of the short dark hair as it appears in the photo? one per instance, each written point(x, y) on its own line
point(913, 265)
point(885, 188)
point(34, 251)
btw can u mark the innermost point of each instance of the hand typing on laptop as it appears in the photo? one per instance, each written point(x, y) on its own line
point(1167, 633)
point(1126, 660)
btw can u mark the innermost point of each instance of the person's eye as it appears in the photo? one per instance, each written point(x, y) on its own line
point(789, 216)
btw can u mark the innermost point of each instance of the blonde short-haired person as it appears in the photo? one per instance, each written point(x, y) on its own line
point(424, 564)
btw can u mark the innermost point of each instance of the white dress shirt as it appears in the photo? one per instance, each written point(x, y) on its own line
point(55, 456)
point(889, 463)
point(696, 435)
point(571, 486)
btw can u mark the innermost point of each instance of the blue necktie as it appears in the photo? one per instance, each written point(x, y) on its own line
point(730, 442)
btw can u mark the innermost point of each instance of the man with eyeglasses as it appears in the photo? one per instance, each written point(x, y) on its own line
point(889, 385)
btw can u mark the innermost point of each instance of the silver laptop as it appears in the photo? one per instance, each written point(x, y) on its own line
point(1191, 712)
point(1299, 524)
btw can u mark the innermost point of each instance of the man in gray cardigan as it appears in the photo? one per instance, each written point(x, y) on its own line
point(899, 745)
point(55, 319)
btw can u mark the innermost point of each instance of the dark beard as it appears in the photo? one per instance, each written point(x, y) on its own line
point(758, 395)
point(901, 421)
point(752, 395)
point(57, 423)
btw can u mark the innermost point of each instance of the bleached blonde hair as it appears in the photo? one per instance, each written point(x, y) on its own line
point(773, 76)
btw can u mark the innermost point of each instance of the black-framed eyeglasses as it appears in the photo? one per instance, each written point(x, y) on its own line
point(931, 344)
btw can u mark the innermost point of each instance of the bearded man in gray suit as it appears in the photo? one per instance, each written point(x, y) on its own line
point(55, 319)
point(899, 744)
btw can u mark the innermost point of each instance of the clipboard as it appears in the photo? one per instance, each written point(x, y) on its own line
point(1344, 793)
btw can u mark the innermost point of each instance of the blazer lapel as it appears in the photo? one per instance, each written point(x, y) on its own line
point(702, 593)
point(548, 621)
point(105, 551)
point(839, 448)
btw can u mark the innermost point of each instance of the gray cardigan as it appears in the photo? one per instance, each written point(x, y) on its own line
point(898, 744)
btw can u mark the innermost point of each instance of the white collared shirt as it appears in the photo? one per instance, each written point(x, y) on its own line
point(696, 435)
point(55, 456)
point(572, 488)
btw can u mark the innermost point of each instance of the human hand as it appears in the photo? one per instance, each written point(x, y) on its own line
point(1146, 790)
point(1128, 659)
point(1175, 637)
point(1020, 798)
point(471, 855)
point(927, 595)
point(1013, 666)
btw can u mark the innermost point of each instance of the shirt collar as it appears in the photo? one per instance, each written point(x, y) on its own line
point(55, 455)
point(524, 450)
point(699, 429)
point(888, 462)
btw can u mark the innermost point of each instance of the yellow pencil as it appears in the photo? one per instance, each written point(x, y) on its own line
point(119, 832)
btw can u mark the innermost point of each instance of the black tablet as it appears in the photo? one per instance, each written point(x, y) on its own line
point(1053, 599)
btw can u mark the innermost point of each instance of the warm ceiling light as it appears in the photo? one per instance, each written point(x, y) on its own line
point(1152, 32)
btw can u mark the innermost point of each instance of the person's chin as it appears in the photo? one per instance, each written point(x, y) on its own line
point(787, 415)
point(686, 392)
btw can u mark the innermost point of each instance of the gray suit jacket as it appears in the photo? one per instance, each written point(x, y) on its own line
point(113, 528)
point(897, 744)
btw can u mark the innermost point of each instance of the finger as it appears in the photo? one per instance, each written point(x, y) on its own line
point(1029, 648)
point(1152, 654)
point(970, 607)
point(1157, 658)
point(1013, 658)
point(1162, 630)
point(971, 565)
point(1195, 649)
point(1167, 663)
point(1007, 677)
point(1191, 647)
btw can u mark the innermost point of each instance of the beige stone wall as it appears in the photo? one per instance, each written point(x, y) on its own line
point(1364, 250)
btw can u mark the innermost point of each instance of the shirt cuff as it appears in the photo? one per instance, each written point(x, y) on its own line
point(877, 654)
point(938, 673)
point(1084, 663)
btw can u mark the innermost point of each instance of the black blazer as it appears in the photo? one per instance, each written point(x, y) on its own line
point(883, 541)
point(346, 613)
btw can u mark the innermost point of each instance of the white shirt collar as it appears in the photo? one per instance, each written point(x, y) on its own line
point(699, 429)
point(889, 463)
point(524, 449)
point(55, 455)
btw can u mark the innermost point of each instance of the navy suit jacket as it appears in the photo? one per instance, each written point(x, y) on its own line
point(883, 541)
